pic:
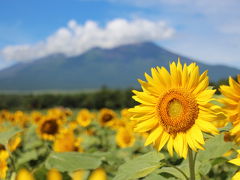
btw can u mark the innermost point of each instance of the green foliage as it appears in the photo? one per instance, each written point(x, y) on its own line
point(140, 166)
point(7, 135)
point(72, 161)
point(109, 98)
point(215, 147)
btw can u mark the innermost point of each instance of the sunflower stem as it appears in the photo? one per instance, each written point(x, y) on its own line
point(191, 165)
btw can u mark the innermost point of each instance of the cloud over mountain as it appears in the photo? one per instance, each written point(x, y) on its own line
point(75, 38)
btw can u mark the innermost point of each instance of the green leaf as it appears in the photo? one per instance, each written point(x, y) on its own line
point(154, 176)
point(215, 147)
point(184, 167)
point(140, 166)
point(226, 128)
point(172, 171)
point(40, 173)
point(71, 161)
point(27, 156)
point(7, 135)
point(32, 144)
point(205, 167)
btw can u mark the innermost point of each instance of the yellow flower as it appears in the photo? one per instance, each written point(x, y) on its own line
point(54, 174)
point(36, 116)
point(49, 127)
point(14, 143)
point(107, 117)
point(3, 163)
point(98, 174)
point(24, 174)
point(221, 120)
point(175, 108)
point(125, 138)
point(20, 118)
point(5, 115)
point(78, 175)
point(125, 114)
point(236, 162)
point(84, 117)
point(119, 123)
point(66, 142)
point(236, 176)
point(3, 169)
point(232, 105)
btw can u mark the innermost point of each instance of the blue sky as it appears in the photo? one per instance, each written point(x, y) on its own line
point(205, 30)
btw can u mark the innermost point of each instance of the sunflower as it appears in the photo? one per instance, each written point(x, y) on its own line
point(98, 174)
point(175, 108)
point(222, 119)
point(36, 116)
point(125, 114)
point(236, 162)
point(125, 138)
point(107, 117)
point(84, 117)
point(60, 113)
point(24, 174)
point(232, 105)
point(14, 143)
point(3, 163)
point(20, 118)
point(65, 141)
point(79, 175)
point(49, 127)
point(54, 174)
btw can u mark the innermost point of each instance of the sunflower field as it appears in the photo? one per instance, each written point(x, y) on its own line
point(179, 129)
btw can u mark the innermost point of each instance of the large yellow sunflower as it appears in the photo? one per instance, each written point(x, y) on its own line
point(175, 108)
point(49, 127)
point(231, 103)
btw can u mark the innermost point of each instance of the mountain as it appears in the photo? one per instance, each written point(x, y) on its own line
point(118, 67)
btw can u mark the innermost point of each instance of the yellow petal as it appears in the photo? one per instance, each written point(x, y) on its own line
point(153, 135)
point(235, 161)
point(170, 146)
point(162, 140)
point(206, 126)
point(201, 86)
point(196, 134)
point(146, 125)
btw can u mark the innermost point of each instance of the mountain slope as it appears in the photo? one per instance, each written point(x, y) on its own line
point(118, 67)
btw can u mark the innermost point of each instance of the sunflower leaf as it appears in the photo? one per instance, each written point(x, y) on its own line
point(154, 176)
point(71, 161)
point(7, 135)
point(211, 151)
point(139, 167)
point(27, 156)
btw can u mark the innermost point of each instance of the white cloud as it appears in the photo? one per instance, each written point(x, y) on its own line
point(76, 39)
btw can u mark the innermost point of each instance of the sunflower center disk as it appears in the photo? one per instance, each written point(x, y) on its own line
point(50, 127)
point(174, 108)
point(177, 111)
